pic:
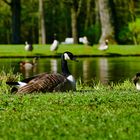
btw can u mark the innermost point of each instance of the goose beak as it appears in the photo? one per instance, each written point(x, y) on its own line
point(74, 59)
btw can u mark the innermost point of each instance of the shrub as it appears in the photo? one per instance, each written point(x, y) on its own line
point(134, 28)
point(125, 36)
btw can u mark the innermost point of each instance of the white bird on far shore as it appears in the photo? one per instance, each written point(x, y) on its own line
point(104, 46)
point(28, 47)
point(55, 44)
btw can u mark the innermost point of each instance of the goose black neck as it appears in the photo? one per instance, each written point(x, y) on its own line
point(64, 65)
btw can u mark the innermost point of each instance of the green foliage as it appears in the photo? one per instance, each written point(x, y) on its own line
point(93, 33)
point(125, 35)
point(29, 18)
point(98, 112)
point(58, 20)
point(10, 77)
point(135, 30)
point(5, 22)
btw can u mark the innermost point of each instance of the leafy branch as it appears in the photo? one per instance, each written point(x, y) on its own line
point(7, 2)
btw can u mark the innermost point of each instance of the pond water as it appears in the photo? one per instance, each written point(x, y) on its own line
point(104, 69)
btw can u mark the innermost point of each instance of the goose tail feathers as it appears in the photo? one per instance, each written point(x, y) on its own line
point(20, 84)
point(12, 83)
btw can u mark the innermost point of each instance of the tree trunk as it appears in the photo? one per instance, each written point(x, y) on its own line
point(132, 15)
point(87, 19)
point(42, 26)
point(74, 25)
point(106, 19)
point(97, 16)
point(16, 9)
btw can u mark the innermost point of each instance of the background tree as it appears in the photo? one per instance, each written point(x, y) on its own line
point(16, 11)
point(106, 18)
point(90, 14)
point(89, 18)
point(133, 19)
point(29, 18)
point(5, 23)
point(75, 6)
point(42, 25)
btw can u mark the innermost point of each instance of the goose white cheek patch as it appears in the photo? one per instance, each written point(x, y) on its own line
point(66, 57)
point(71, 78)
point(138, 86)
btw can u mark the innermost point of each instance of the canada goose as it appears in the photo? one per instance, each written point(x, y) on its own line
point(55, 44)
point(104, 46)
point(28, 47)
point(49, 82)
point(136, 80)
point(27, 64)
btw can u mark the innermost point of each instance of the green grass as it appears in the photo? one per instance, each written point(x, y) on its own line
point(43, 50)
point(99, 112)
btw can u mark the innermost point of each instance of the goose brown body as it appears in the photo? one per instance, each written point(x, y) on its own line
point(46, 83)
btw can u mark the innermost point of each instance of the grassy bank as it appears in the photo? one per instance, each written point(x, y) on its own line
point(80, 50)
point(98, 112)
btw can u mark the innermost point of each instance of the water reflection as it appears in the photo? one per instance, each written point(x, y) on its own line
point(54, 65)
point(103, 70)
point(28, 71)
point(86, 70)
point(106, 70)
point(96, 70)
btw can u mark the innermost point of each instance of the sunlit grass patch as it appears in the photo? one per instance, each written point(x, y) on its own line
point(81, 86)
point(7, 77)
point(76, 49)
point(94, 85)
point(94, 111)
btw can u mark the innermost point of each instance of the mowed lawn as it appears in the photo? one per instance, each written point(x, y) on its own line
point(79, 49)
point(100, 112)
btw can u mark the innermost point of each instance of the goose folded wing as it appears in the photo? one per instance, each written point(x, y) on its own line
point(44, 83)
point(34, 78)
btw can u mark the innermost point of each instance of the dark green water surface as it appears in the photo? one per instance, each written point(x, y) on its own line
point(104, 69)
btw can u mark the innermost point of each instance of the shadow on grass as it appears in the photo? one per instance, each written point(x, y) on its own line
point(114, 54)
point(83, 91)
point(55, 55)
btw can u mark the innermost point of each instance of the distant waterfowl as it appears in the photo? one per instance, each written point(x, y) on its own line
point(27, 64)
point(54, 45)
point(136, 80)
point(104, 46)
point(85, 41)
point(28, 47)
point(49, 82)
point(28, 68)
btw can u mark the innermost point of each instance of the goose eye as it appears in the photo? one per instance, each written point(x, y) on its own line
point(138, 74)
